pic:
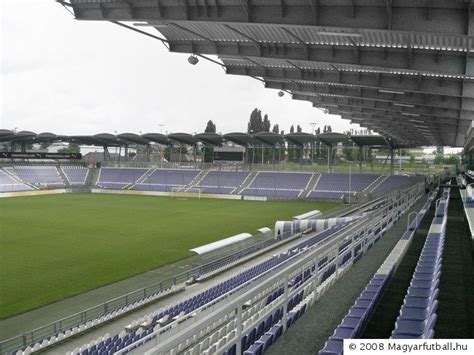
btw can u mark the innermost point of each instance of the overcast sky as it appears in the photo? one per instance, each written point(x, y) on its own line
point(76, 77)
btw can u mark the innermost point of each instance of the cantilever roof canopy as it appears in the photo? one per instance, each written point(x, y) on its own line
point(332, 138)
point(183, 138)
point(133, 138)
point(156, 138)
point(209, 138)
point(269, 138)
point(240, 138)
point(6, 135)
point(400, 68)
point(84, 140)
point(108, 139)
point(300, 138)
point(24, 136)
point(370, 140)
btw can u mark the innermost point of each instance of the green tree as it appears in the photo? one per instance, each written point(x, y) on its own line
point(355, 154)
point(176, 151)
point(452, 160)
point(439, 159)
point(210, 127)
point(71, 148)
point(266, 124)
point(208, 152)
point(255, 123)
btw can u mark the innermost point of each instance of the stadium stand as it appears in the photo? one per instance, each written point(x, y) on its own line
point(222, 182)
point(9, 184)
point(38, 176)
point(75, 174)
point(167, 180)
point(334, 186)
point(393, 182)
point(278, 185)
point(118, 178)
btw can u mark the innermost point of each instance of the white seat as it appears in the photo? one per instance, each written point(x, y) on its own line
point(196, 349)
point(36, 347)
point(222, 332)
point(213, 337)
point(221, 342)
point(205, 343)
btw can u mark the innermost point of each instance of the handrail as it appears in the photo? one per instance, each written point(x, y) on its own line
point(408, 219)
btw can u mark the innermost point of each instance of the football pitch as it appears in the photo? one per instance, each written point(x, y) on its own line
point(57, 246)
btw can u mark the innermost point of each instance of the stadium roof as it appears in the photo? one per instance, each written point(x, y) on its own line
point(470, 140)
point(215, 139)
point(183, 138)
point(300, 138)
point(269, 138)
point(373, 141)
point(401, 68)
point(156, 138)
point(332, 138)
point(210, 138)
point(239, 138)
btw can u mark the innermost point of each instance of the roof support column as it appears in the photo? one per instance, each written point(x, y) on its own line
point(392, 160)
point(329, 158)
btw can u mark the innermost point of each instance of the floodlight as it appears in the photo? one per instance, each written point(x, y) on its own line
point(193, 59)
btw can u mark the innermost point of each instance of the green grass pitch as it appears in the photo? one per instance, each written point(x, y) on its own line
point(57, 246)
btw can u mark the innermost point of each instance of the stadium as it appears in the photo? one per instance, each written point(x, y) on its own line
point(255, 242)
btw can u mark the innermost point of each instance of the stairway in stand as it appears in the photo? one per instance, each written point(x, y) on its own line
point(310, 185)
point(63, 176)
point(246, 183)
point(196, 181)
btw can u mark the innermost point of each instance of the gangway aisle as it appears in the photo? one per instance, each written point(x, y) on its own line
point(382, 321)
point(456, 297)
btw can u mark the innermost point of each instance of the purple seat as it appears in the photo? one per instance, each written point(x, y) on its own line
point(342, 332)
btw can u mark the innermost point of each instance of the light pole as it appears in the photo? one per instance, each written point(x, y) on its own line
point(161, 125)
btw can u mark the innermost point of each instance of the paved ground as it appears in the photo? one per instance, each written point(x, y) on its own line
point(308, 335)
